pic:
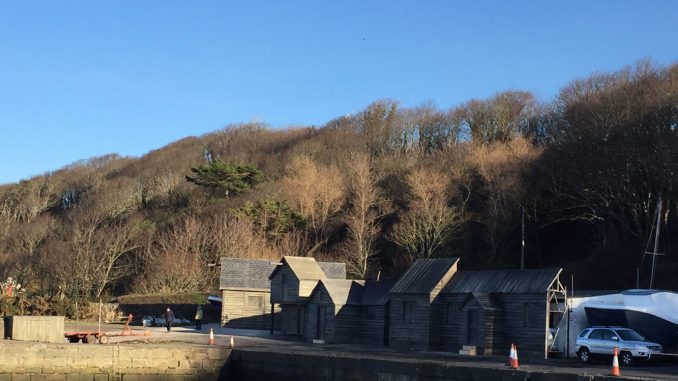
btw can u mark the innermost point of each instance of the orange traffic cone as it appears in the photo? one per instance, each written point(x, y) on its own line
point(615, 363)
point(514, 360)
point(232, 342)
point(211, 341)
point(510, 358)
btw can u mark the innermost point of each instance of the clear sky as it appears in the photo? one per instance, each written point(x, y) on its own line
point(85, 78)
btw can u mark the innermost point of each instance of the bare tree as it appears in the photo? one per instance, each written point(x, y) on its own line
point(94, 257)
point(500, 169)
point(498, 119)
point(179, 260)
point(235, 238)
point(362, 219)
point(430, 222)
point(318, 193)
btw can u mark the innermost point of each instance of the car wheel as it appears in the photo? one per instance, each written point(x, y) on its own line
point(584, 355)
point(625, 358)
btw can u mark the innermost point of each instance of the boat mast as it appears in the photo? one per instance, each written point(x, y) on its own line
point(656, 240)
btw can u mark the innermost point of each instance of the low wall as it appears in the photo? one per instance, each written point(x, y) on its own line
point(265, 366)
point(45, 329)
point(95, 362)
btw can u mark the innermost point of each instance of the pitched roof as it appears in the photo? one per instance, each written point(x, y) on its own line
point(245, 273)
point(502, 281)
point(376, 292)
point(342, 291)
point(423, 276)
point(305, 268)
point(333, 270)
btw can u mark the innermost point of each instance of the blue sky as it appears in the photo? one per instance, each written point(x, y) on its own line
point(85, 78)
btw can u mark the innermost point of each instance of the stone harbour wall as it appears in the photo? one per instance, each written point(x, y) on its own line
point(171, 361)
point(254, 365)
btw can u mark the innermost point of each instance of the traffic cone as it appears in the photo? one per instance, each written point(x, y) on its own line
point(514, 360)
point(232, 342)
point(510, 358)
point(211, 341)
point(615, 363)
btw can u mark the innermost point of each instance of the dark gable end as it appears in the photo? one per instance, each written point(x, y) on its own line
point(376, 292)
point(341, 291)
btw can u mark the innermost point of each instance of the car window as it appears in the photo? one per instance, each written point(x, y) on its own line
point(609, 335)
point(583, 333)
point(597, 334)
point(630, 335)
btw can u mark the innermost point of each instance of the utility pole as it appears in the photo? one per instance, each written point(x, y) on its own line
point(522, 238)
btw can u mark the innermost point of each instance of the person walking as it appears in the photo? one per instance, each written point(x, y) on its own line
point(198, 318)
point(169, 318)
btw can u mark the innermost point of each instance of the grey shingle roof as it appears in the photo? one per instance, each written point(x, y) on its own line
point(502, 281)
point(333, 270)
point(242, 273)
point(423, 276)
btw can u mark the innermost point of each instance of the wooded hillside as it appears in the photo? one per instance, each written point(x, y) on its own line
point(376, 189)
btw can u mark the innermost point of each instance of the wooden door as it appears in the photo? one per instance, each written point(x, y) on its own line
point(474, 334)
point(387, 321)
point(320, 327)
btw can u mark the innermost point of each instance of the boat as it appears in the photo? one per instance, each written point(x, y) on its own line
point(214, 300)
point(653, 313)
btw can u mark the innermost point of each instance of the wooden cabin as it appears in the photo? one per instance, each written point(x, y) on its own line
point(408, 314)
point(374, 309)
point(292, 282)
point(347, 311)
point(333, 311)
point(246, 291)
point(494, 308)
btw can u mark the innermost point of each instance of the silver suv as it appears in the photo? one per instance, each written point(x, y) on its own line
point(603, 340)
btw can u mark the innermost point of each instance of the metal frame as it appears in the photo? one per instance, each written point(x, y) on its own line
point(554, 293)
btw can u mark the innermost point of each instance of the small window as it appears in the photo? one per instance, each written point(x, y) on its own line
point(452, 312)
point(408, 310)
point(255, 301)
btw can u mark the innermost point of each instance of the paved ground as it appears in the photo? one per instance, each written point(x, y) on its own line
point(263, 341)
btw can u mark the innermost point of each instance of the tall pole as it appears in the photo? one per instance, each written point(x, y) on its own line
point(656, 240)
point(522, 239)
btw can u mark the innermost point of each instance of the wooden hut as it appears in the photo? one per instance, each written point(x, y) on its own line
point(246, 291)
point(408, 314)
point(333, 311)
point(292, 282)
point(347, 311)
point(493, 308)
point(374, 309)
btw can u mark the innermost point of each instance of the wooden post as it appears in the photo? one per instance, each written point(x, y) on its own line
point(272, 317)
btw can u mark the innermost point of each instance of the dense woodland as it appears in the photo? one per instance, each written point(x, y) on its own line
point(377, 190)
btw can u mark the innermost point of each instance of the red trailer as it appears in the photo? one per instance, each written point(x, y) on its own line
point(91, 337)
